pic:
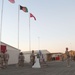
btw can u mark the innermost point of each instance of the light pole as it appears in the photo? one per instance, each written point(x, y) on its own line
point(38, 43)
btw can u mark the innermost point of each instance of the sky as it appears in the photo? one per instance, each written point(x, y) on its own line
point(53, 30)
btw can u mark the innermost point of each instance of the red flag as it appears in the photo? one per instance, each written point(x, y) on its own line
point(12, 1)
point(31, 15)
point(3, 48)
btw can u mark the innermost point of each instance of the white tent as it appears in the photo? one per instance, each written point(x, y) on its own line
point(13, 53)
point(28, 53)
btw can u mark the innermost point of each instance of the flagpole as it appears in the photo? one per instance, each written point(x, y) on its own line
point(38, 43)
point(1, 23)
point(29, 35)
point(18, 24)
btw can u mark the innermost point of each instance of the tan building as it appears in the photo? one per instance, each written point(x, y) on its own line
point(71, 53)
point(56, 56)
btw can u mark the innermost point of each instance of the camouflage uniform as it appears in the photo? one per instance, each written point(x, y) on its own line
point(68, 56)
point(21, 59)
point(1, 60)
point(6, 58)
point(32, 58)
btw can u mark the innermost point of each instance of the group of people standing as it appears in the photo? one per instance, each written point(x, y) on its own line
point(4, 57)
point(21, 59)
point(41, 58)
point(33, 57)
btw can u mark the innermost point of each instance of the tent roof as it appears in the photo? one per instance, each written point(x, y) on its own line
point(36, 51)
point(2, 43)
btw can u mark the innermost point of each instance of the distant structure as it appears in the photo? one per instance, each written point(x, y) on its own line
point(56, 56)
point(46, 55)
point(72, 55)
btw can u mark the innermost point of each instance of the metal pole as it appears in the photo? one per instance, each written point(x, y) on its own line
point(29, 35)
point(18, 24)
point(1, 23)
point(38, 43)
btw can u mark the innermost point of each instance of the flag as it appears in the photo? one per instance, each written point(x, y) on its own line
point(3, 48)
point(23, 8)
point(12, 1)
point(31, 15)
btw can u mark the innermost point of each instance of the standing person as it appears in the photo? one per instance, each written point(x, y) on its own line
point(37, 62)
point(32, 58)
point(1, 60)
point(6, 58)
point(41, 58)
point(21, 59)
point(68, 57)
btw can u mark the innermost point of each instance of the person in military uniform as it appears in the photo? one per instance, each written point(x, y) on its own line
point(21, 59)
point(6, 58)
point(68, 57)
point(1, 60)
point(32, 58)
